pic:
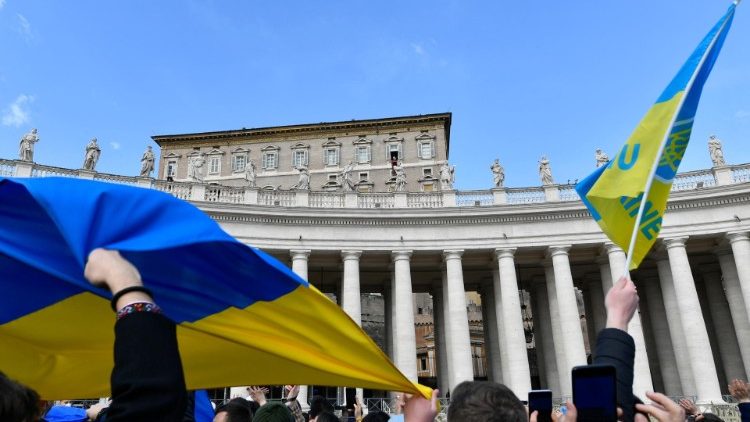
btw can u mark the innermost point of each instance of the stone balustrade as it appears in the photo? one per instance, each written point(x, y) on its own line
point(203, 192)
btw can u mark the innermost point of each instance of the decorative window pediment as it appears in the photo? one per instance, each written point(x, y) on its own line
point(362, 140)
point(215, 152)
point(172, 156)
point(241, 150)
point(331, 144)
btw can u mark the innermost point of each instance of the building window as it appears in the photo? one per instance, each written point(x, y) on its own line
point(300, 158)
point(426, 149)
point(333, 178)
point(363, 154)
point(239, 162)
point(364, 176)
point(331, 156)
point(427, 172)
point(422, 363)
point(171, 169)
point(270, 160)
point(214, 166)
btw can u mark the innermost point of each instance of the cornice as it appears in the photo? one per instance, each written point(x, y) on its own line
point(312, 128)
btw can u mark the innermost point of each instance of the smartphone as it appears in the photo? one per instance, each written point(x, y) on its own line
point(541, 401)
point(595, 393)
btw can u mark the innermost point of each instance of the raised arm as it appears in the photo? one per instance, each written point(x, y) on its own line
point(147, 379)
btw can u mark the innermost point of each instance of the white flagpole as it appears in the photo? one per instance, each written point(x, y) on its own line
point(650, 179)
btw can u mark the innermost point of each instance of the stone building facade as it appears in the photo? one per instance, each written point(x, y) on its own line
point(373, 147)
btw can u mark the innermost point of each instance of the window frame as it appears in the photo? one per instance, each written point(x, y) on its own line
point(425, 140)
point(266, 153)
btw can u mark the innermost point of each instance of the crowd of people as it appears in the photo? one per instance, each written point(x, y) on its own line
point(148, 383)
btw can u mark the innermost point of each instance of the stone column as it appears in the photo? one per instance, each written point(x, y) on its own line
point(741, 249)
point(642, 373)
point(659, 326)
point(543, 322)
point(388, 319)
point(299, 267)
point(599, 312)
point(563, 371)
point(591, 332)
point(350, 291)
point(567, 306)
point(737, 306)
point(698, 346)
point(498, 316)
point(724, 330)
point(459, 343)
point(405, 350)
point(518, 377)
point(447, 330)
point(676, 331)
point(440, 345)
point(492, 343)
point(541, 365)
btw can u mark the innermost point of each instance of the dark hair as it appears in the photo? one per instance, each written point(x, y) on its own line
point(485, 401)
point(376, 416)
point(318, 405)
point(238, 410)
point(18, 403)
point(326, 417)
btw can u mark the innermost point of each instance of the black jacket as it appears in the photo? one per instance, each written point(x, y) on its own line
point(147, 380)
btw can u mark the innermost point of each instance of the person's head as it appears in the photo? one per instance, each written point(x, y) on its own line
point(326, 417)
point(273, 412)
point(318, 405)
point(485, 401)
point(18, 403)
point(377, 416)
point(235, 410)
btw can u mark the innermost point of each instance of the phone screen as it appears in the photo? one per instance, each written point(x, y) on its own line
point(595, 393)
point(541, 401)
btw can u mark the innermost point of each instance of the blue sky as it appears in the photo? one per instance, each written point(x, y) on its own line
point(522, 79)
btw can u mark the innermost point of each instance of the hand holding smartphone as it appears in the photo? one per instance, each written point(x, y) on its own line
point(541, 401)
point(595, 393)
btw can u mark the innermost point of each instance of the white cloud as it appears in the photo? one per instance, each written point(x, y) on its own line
point(17, 113)
point(115, 145)
point(742, 114)
point(24, 27)
point(2, 3)
point(418, 49)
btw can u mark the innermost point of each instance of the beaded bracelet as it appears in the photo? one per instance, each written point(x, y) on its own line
point(138, 307)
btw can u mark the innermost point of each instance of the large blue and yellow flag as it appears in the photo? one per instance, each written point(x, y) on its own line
point(243, 317)
point(649, 159)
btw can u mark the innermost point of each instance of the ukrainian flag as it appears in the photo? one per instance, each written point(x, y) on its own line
point(243, 318)
point(648, 161)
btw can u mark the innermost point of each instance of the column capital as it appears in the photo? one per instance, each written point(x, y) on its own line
point(452, 254)
point(610, 248)
point(737, 236)
point(401, 255)
point(299, 253)
point(505, 252)
point(556, 250)
point(350, 254)
point(675, 242)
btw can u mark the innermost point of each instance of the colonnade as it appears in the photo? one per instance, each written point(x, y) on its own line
point(698, 333)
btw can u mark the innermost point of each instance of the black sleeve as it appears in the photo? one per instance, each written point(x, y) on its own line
point(616, 347)
point(147, 379)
